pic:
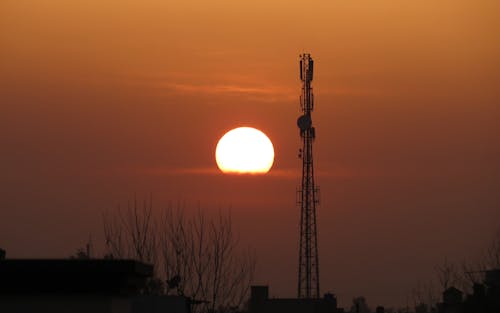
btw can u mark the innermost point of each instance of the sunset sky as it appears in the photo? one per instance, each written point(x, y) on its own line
point(101, 100)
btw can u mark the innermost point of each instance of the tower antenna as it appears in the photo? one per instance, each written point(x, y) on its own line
point(307, 195)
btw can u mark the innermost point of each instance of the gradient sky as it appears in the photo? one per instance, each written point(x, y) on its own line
point(103, 99)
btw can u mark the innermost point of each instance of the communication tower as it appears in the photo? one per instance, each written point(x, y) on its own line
point(307, 195)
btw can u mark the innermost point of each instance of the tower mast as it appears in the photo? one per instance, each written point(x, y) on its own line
point(308, 282)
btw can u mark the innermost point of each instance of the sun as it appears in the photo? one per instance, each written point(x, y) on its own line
point(244, 150)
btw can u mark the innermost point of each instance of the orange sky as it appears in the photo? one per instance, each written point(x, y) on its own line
point(103, 99)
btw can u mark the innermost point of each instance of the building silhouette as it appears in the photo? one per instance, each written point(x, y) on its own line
point(81, 286)
point(261, 303)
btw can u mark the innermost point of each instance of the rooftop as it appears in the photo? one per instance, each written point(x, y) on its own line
point(73, 276)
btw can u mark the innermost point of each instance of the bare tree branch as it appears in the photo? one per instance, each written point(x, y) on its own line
point(197, 256)
point(447, 274)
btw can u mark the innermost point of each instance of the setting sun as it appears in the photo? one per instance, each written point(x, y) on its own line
point(244, 150)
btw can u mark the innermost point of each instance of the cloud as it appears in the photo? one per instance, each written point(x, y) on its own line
point(217, 89)
point(278, 173)
point(263, 93)
point(218, 85)
point(224, 84)
point(349, 91)
point(166, 171)
point(207, 171)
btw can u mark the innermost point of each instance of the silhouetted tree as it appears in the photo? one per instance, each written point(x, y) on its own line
point(80, 254)
point(196, 256)
point(417, 295)
point(447, 274)
point(492, 258)
point(472, 273)
point(359, 305)
point(131, 233)
point(463, 275)
point(201, 260)
point(84, 253)
point(425, 297)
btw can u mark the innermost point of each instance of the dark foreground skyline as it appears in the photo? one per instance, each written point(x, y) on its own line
point(123, 285)
point(100, 101)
